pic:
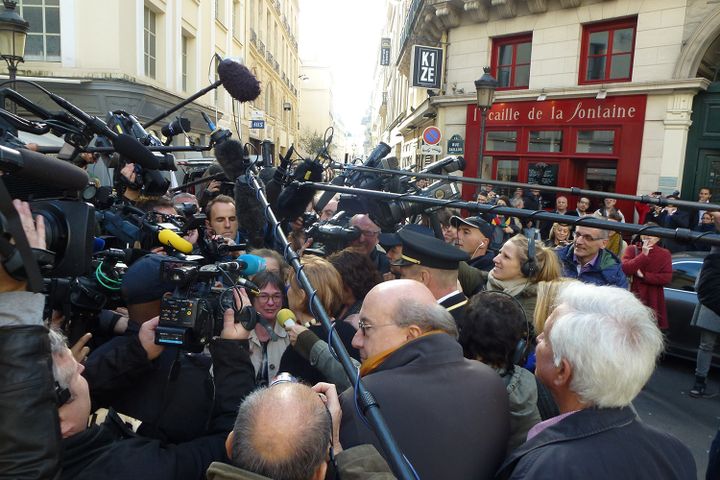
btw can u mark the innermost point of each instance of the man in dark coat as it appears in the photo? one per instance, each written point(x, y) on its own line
point(449, 415)
point(596, 352)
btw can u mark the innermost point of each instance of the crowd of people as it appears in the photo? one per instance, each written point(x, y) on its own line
point(509, 348)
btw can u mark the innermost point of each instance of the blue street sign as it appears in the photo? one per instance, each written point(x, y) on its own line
point(257, 123)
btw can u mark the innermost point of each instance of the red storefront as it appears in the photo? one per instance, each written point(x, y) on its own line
point(581, 142)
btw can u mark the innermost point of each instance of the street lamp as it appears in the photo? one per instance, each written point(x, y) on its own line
point(485, 88)
point(13, 32)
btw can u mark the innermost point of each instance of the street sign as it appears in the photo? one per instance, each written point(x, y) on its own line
point(385, 52)
point(257, 123)
point(431, 135)
point(456, 145)
point(257, 115)
point(430, 149)
point(427, 66)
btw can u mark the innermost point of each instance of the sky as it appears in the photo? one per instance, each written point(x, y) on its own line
point(345, 35)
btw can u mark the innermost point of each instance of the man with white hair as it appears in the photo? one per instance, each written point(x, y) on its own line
point(597, 351)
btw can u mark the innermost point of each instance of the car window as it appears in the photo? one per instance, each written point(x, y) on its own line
point(684, 275)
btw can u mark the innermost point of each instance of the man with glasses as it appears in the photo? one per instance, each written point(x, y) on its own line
point(449, 415)
point(368, 241)
point(587, 259)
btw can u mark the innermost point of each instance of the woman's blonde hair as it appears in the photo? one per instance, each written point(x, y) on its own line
point(326, 280)
point(547, 293)
point(547, 264)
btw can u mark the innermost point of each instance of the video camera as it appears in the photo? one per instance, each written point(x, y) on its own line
point(193, 314)
point(332, 235)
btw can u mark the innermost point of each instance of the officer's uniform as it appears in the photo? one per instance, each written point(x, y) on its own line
point(431, 252)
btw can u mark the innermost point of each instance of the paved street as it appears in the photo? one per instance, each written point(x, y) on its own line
point(665, 403)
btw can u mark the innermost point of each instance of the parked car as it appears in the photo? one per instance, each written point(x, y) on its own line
point(681, 299)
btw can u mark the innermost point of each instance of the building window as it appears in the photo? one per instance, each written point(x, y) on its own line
point(607, 52)
point(511, 61)
point(150, 42)
point(43, 39)
point(236, 20)
point(184, 63)
point(595, 141)
point(501, 141)
point(545, 141)
point(220, 11)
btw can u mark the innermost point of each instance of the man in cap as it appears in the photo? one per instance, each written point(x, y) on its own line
point(473, 237)
point(433, 263)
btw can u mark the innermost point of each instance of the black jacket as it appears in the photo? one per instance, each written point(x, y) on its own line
point(456, 305)
point(111, 451)
point(173, 406)
point(29, 426)
point(600, 444)
point(449, 415)
point(709, 283)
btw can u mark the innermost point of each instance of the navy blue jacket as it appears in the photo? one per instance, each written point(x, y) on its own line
point(606, 271)
point(600, 444)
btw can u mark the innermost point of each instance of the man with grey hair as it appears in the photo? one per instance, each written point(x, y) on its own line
point(589, 261)
point(597, 350)
point(434, 400)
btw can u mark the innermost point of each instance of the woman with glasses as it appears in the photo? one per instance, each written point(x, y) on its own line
point(308, 330)
point(269, 340)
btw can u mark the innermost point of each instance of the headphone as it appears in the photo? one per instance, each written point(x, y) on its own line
point(529, 267)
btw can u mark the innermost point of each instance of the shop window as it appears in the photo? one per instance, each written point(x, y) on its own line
point(501, 141)
point(595, 141)
point(511, 61)
point(545, 141)
point(607, 52)
point(507, 171)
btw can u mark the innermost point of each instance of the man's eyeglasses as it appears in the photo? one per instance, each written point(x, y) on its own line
point(364, 327)
point(586, 237)
point(264, 298)
point(370, 233)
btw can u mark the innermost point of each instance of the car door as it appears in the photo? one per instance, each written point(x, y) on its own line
point(680, 299)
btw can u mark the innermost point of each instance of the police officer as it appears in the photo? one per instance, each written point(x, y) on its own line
point(433, 263)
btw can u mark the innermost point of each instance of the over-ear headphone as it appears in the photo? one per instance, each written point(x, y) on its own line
point(529, 267)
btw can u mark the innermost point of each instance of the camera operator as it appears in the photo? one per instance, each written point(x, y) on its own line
point(171, 392)
point(368, 241)
point(128, 182)
point(29, 432)
point(111, 450)
point(306, 426)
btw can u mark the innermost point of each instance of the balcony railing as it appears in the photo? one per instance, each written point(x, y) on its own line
point(413, 13)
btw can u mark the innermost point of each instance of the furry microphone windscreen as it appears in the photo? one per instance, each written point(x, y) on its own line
point(229, 155)
point(238, 80)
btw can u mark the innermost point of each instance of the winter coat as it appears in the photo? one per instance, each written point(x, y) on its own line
point(707, 311)
point(600, 443)
point(358, 463)
point(657, 273)
point(606, 271)
point(449, 415)
point(524, 414)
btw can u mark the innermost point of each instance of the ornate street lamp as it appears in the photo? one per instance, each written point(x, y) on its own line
point(485, 88)
point(13, 32)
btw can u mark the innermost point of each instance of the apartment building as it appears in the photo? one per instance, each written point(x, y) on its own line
point(614, 95)
point(144, 56)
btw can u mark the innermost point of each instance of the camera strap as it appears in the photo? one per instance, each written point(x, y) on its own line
point(21, 250)
point(266, 326)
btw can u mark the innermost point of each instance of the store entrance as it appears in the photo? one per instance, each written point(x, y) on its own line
point(598, 175)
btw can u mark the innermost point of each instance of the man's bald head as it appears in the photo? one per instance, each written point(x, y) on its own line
point(282, 432)
point(396, 312)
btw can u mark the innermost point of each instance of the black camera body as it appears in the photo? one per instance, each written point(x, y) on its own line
point(185, 323)
point(331, 235)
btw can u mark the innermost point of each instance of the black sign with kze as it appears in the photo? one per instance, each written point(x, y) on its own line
point(427, 66)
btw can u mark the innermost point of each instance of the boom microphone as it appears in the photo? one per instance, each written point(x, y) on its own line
point(42, 169)
point(294, 198)
point(230, 156)
point(246, 264)
point(238, 81)
point(126, 145)
point(172, 239)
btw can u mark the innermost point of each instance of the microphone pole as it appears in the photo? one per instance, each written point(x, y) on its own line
point(180, 105)
point(152, 148)
point(210, 178)
point(663, 202)
point(366, 399)
point(680, 234)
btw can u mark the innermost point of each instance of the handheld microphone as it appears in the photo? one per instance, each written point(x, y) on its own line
point(177, 126)
point(172, 239)
point(248, 264)
point(286, 318)
point(42, 169)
